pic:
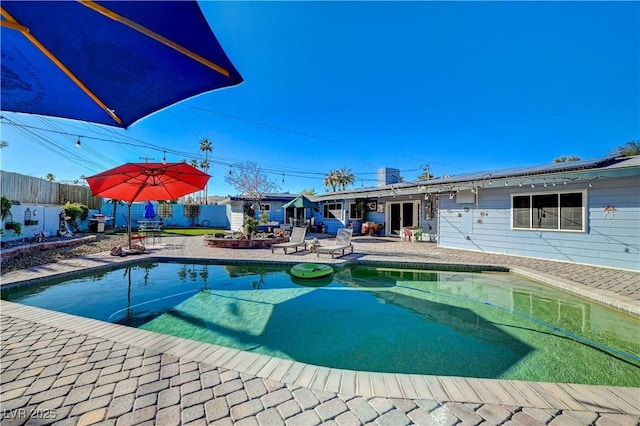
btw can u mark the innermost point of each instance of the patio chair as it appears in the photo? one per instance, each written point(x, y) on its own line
point(295, 240)
point(343, 242)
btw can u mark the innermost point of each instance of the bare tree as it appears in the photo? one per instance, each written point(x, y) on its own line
point(249, 180)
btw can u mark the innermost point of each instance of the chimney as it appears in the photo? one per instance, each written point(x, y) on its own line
point(387, 176)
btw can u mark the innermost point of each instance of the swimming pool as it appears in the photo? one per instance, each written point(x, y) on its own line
point(489, 325)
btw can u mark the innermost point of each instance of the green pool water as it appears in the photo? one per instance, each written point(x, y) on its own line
point(489, 325)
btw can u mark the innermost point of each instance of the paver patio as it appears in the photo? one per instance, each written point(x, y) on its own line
point(84, 371)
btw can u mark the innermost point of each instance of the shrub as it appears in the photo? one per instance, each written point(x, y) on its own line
point(5, 206)
point(15, 226)
point(76, 211)
point(251, 225)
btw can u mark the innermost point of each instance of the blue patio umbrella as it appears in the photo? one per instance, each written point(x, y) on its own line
point(148, 211)
point(107, 62)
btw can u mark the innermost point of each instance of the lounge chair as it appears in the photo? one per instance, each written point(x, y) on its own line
point(295, 240)
point(343, 242)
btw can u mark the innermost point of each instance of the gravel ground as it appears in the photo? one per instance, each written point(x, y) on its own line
point(101, 244)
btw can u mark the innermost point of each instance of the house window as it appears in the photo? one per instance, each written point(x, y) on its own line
point(265, 212)
point(430, 206)
point(559, 211)
point(522, 212)
point(191, 210)
point(332, 211)
point(165, 210)
point(355, 211)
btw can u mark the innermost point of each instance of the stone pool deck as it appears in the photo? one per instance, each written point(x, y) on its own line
point(84, 371)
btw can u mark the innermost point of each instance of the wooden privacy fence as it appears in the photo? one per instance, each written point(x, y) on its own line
point(29, 189)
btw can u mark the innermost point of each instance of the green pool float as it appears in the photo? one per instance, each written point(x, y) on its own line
point(311, 270)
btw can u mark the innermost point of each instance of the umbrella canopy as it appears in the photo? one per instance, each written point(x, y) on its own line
point(147, 181)
point(148, 211)
point(300, 202)
point(108, 62)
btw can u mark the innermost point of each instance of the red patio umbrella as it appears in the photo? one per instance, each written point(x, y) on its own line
point(147, 181)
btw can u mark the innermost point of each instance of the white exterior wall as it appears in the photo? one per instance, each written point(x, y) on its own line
point(236, 217)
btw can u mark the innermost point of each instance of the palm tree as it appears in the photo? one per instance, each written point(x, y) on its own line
point(50, 177)
point(115, 204)
point(628, 149)
point(204, 165)
point(194, 163)
point(331, 180)
point(345, 177)
point(205, 146)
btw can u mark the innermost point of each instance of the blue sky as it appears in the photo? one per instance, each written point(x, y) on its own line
point(458, 86)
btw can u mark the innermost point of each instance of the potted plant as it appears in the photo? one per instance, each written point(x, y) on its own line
point(5, 211)
point(314, 244)
point(15, 226)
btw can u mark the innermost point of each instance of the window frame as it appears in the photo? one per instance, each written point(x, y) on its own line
point(559, 219)
point(354, 212)
point(326, 210)
point(163, 208)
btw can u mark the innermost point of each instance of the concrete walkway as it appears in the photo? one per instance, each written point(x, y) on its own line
point(82, 371)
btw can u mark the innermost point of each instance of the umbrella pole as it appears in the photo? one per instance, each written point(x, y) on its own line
point(129, 225)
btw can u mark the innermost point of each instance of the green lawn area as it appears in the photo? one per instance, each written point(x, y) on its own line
point(182, 231)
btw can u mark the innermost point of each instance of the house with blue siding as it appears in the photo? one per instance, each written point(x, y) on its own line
point(271, 204)
point(582, 211)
